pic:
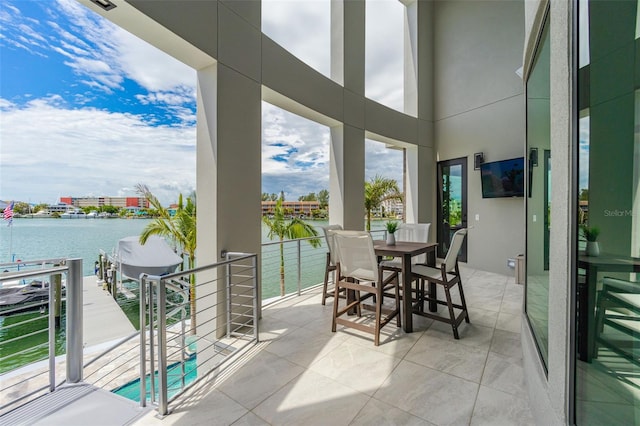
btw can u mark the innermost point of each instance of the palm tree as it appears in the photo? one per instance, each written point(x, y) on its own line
point(179, 228)
point(377, 190)
point(293, 229)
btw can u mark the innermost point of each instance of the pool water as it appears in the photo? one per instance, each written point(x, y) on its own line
point(174, 381)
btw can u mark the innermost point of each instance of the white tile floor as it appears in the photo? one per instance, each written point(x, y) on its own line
point(303, 374)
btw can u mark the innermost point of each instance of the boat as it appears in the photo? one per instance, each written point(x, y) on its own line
point(155, 257)
point(92, 214)
point(73, 214)
point(23, 298)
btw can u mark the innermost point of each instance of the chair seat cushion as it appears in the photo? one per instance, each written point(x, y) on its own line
point(632, 299)
point(429, 272)
point(621, 285)
point(631, 324)
point(397, 264)
point(367, 275)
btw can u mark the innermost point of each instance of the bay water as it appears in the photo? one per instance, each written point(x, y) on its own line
point(48, 238)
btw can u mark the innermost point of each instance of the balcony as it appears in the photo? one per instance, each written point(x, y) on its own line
point(301, 372)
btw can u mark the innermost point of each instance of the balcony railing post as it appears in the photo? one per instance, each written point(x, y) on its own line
point(254, 265)
point(227, 295)
point(299, 267)
point(152, 356)
point(52, 335)
point(143, 340)
point(162, 348)
point(74, 321)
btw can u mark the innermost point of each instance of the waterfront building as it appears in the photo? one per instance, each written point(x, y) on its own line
point(484, 81)
point(296, 208)
point(124, 202)
point(61, 207)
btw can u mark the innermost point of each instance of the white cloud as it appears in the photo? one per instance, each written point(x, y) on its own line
point(384, 68)
point(295, 153)
point(90, 152)
point(85, 151)
point(583, 158)
point(301, 27)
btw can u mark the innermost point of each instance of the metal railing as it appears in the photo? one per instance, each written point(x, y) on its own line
point(44, 330)
point(304, 265)
point(227, 296)
point(175, 352)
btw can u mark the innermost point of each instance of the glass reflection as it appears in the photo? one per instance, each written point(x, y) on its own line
point(539, 196)
point(608, 298)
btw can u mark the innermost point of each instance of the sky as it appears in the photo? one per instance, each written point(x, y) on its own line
point(87, 109)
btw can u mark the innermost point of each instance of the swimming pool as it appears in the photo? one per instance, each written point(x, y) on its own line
point(174, 381)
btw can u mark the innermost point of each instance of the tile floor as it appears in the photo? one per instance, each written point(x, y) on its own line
point(303, 374)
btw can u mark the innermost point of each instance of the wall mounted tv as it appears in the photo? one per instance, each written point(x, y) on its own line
point(503, 178)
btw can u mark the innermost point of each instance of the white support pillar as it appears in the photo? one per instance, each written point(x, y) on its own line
point(411, 185)
point(346, 178)
point(337, 41)
point(411, 57)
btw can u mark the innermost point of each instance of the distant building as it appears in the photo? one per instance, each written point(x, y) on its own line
point(131, 203)
point(393, 207)
point(59, 208)
point(296, 208)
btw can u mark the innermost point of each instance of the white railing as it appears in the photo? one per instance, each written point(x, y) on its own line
point(304, 265)
point(44, 330)
point(227, 295)
point(175, 353)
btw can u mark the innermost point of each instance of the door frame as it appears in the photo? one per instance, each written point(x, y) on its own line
point(462, 161)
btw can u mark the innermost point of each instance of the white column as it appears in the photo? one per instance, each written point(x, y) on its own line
point(346, 179)
point(411, 57)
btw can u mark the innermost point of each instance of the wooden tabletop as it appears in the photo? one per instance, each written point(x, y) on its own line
point(402, 247)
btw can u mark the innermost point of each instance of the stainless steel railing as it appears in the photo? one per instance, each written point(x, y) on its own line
point(175, 352)
point(304, 265)
point(34, 327)
point(165, 339)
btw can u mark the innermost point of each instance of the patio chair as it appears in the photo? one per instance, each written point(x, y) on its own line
point(448, 276)
point(619, 308)
point(331, 261)
point(358, 273)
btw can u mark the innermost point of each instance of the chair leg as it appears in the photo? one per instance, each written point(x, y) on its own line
point(326, 279)
point(452, 314)
point(376, 339)
point(464, 303)
point(398, 316)
point(421, 295)
point(336, 299)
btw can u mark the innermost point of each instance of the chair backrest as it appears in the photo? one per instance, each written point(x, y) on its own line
point(356, 255)
point(417, 232)
point(331, 245)
point(454, 248)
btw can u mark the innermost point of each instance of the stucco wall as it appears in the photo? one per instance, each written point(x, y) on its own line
point(479, 107)
point(549, 393)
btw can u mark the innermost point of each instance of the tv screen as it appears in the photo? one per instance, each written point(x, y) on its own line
point(503, 178)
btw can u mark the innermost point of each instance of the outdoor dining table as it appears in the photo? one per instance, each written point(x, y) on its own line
point(406, 250)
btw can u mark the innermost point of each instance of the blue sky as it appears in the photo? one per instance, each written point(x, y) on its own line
point(87, 109)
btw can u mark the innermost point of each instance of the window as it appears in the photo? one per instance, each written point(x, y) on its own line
point(608, 259)
point(539, 195)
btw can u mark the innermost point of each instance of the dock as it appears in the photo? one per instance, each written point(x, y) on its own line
point(104, 321)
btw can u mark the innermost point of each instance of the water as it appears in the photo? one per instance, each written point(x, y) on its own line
point(174, 381)
point(33, 239)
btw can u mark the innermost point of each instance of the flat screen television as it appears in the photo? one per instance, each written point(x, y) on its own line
point(503, 178)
